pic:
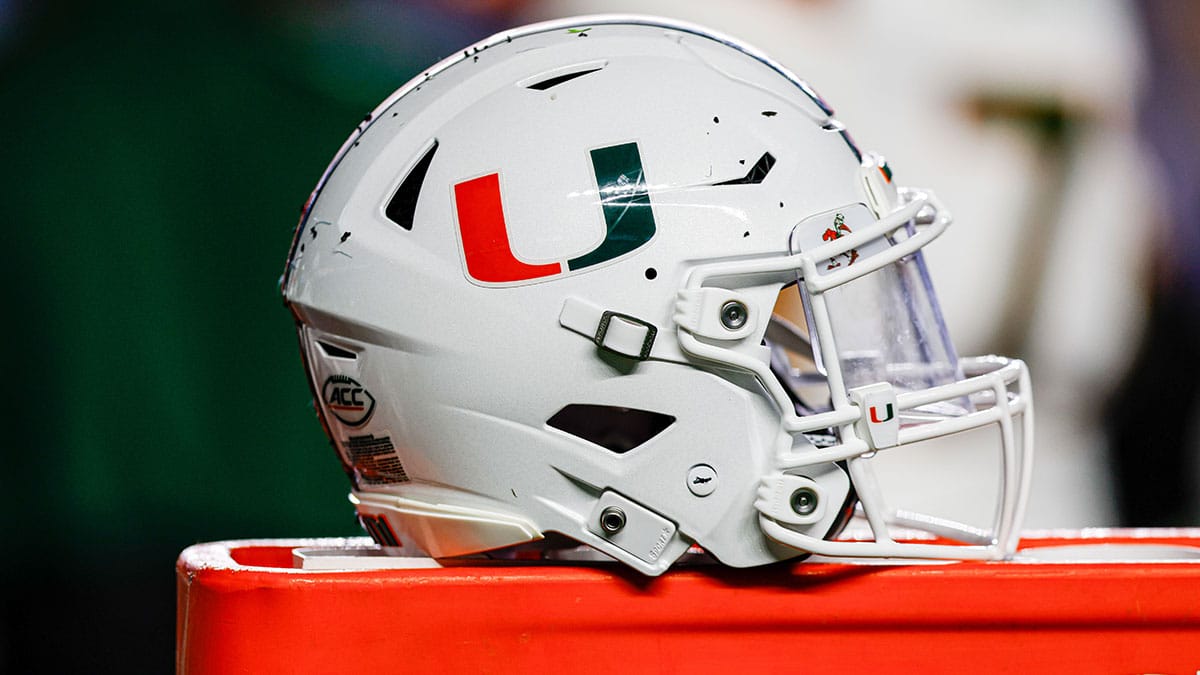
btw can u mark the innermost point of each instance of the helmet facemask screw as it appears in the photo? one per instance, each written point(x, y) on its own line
point(734, 315)
point(612, 520)
point(804, 501)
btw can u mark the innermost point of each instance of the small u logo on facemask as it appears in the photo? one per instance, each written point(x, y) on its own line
point(876, 419)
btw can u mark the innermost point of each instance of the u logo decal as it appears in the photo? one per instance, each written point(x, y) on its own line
point(875, 419)
point(629, 221)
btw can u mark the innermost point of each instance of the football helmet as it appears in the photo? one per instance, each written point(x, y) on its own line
point(626, 282)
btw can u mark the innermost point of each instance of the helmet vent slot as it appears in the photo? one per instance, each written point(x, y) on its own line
point(336, 352)
point(757, 174)
point(378, 528)
point(402, 208)
point(556, 80)
point(611, 427)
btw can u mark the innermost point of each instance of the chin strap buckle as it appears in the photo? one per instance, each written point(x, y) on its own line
point(627, 335)
point(612, 331)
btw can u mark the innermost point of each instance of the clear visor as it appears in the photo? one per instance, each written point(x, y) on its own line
point(886, 325)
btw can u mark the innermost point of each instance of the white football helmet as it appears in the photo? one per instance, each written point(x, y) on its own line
point(629, 281)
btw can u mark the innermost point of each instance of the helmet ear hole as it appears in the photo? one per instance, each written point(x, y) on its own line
point(614, 428)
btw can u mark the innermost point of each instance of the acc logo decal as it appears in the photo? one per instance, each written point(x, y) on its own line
point(347, 400)
point(629, 221)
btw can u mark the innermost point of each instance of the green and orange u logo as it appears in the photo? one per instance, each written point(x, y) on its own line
point(877, 419)
point(628, 220)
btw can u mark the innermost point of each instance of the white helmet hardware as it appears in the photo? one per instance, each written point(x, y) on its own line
point(628, 282)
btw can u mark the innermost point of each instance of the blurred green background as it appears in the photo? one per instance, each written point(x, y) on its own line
point(155, 159)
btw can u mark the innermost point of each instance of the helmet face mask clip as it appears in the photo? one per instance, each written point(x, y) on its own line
point(641, 293)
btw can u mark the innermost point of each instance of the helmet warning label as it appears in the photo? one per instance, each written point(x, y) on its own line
point(374, 460)
point(347, 400)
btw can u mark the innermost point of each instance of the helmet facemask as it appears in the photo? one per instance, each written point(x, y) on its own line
point(861, 362)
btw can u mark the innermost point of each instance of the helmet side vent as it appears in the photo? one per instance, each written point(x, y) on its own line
point(559, 79)
point(402, 207)
point(757, 174)
point(553, 78)
point(379, 529)
point(614, 428)
point(336, 352)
